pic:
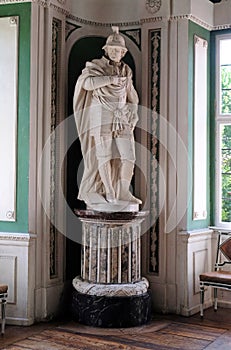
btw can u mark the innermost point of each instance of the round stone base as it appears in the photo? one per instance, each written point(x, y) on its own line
point(111, 312)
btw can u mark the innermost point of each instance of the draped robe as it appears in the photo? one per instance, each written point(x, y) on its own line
point(91, 107)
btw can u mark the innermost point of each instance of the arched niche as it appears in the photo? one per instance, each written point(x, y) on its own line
point(82, 50)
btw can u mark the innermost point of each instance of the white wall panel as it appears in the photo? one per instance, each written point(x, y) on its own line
point(200, 129)
point(8, 116)
point(8, 275)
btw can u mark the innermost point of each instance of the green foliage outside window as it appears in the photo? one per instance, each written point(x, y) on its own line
point(226, 173)
point(226, 89)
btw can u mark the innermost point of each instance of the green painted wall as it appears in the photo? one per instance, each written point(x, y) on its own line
point(24, 12)
point(195, 29)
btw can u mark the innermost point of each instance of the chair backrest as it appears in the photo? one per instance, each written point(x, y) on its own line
point(223, 256)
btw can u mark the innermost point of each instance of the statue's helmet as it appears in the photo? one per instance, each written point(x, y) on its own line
point(115, 40)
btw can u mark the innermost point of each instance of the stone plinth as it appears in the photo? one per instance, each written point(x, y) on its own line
point(111, 312)
point(111, 271)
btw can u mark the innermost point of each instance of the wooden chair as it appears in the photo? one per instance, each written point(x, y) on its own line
point(3, 299)
point(219, 278)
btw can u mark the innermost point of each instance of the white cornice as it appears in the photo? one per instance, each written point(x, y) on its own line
point(22, 237)
point(147, 20)
point(56, 5)
point(58, 8)
point(101, 24)
point(222, 26)
point(153, 19)
point(193, 19)
point(2, 2)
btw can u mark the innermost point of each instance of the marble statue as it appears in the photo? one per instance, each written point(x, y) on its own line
point(105, 108)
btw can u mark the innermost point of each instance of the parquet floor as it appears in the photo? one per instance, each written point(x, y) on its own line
point(164, 332)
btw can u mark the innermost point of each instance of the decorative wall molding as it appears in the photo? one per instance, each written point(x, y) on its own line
point(150, 4)
point(17, 270)
point(120, 24)
point(153, 6)
point(9, 31)
point(222, 26)
point(12, 1)
point(201, 23)
point(23, 237)
point(42, 3)
point(154, 37)
point(61, 10)
point(193, 19)
point(56, 54)
point(8, 273)
point(100, 24)
point(153, 19)
point(134, 35)
point(200, 152)
point(146, 20)
point(70, 28)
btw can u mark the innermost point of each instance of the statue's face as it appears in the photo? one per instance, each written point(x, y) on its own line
point(115, 53)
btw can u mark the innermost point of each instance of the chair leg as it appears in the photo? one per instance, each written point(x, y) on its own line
point(3, 312)
point(202, 291)
point(215, 299)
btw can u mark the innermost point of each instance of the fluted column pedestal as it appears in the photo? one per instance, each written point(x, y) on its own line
point(110, 291)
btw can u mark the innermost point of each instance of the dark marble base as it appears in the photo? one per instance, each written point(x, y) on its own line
point(111, 216)
point(111, 312)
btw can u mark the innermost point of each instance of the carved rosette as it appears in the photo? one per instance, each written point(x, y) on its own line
point(155, 37)
point(153, 6)
point(56, 40)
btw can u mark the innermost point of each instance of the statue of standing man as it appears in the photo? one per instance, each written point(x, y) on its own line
point(105, 108)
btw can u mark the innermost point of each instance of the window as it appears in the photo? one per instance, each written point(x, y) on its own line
point(223, 127)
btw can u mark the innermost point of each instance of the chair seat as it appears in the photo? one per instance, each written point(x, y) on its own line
point(216, 277)
point(3, 288)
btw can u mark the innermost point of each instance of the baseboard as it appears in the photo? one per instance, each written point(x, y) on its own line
point(14, 321)
point(195, 309)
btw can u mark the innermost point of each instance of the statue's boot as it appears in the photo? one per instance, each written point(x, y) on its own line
point(126, 173)
point(105, 174)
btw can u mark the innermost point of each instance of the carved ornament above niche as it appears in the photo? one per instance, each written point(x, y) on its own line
point(62, 1)
point(153, 6)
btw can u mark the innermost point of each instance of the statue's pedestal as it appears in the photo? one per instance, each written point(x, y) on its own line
point(110, 291)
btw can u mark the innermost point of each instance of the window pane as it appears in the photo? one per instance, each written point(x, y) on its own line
point(226, 173)
point(226, 102)
point(225, 76)
point(226, 89)
point(225, 51)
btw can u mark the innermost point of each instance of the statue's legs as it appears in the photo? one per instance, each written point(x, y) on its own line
point(126, 148)
point(105, 174)
point(126, 173)
point(104, 156)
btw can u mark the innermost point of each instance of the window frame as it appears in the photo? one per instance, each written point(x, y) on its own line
point(220, 120)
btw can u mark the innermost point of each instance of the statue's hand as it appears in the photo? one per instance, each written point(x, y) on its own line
point(133, 123)
point(119, 81)
point(133, 116)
